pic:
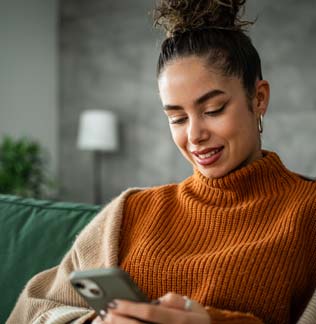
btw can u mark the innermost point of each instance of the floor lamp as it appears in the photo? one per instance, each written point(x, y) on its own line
point(98, 132)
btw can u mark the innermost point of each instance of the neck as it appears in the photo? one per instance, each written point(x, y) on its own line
point(250, 159)
point(260, 177)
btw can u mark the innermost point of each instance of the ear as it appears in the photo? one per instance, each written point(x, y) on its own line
point(262, 97)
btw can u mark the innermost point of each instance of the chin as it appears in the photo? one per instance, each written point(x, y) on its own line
point(214, 174)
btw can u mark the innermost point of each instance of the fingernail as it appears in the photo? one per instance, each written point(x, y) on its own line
point(155, 302)
point(112, 305)
point(103, 313)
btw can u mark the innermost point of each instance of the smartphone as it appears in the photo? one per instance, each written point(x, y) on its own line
point(101, 286)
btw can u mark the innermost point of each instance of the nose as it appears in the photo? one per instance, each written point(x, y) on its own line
point(197, 131)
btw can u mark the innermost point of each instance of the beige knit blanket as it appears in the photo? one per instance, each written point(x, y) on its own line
point(49, 298)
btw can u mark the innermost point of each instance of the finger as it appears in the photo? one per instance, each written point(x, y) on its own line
point(177, 301)
point(118, 319)
point(157, 314)
point(143, 312)
point(97, 320)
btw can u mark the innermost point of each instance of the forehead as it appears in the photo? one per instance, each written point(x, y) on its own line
point(191, 77)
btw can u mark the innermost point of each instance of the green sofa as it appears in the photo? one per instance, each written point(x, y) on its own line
point(35, 235)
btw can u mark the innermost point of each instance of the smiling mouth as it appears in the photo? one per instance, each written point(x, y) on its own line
point(208, 156)
point(207, 153)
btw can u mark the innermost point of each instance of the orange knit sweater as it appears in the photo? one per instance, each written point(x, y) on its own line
point(244, 242)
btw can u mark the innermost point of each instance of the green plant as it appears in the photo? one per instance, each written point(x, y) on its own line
point(22, 168)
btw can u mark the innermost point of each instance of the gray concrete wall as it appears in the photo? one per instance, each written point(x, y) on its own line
point(285, 37)
point(28, 77)
point(108, 58)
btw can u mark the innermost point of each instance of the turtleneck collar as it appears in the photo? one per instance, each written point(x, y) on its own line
point(263, 176)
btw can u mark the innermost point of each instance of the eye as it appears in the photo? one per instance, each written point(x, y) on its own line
point(181, 120)
point(215, 112)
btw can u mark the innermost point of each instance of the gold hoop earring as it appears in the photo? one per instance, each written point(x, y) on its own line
point(260, 124)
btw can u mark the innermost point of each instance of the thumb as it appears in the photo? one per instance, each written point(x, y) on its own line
point(97, 320)
point(177, 301)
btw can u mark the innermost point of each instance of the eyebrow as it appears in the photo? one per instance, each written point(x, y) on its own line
point(207, 96)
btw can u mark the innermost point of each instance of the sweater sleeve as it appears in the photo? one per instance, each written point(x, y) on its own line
point(219, 316)
point(309, 314)
point(49, 297)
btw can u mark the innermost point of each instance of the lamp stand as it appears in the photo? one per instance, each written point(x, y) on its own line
point(97, 177)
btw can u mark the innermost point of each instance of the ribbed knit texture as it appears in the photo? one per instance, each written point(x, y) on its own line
point(243, 242)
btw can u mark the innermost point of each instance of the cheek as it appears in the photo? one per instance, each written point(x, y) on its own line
point(228, 128)
point(238, 125)
point(242, 133)
point(179, 137)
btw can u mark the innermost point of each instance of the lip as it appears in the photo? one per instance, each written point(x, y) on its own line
point(207, 150)
point(210, 160)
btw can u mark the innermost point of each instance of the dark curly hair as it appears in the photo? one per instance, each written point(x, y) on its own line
point(212, 29)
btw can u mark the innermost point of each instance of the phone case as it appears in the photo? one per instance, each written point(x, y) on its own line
point(101, 286)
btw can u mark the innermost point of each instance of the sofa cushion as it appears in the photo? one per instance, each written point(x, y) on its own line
point(34, 235)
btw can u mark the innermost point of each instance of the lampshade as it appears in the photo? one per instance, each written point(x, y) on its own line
point(98, 131)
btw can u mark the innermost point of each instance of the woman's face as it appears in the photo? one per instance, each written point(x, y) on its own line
point(209, 116)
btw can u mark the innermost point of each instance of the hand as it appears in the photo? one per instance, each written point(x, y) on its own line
point(173, 308)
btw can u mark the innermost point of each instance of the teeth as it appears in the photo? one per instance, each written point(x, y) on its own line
point(208, 155)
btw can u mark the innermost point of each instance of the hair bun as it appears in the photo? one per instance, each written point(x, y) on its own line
point(178, 16)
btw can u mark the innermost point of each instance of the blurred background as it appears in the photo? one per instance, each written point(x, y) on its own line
point(59, 59)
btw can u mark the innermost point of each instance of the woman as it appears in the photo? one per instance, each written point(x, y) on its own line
point(237, 237)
